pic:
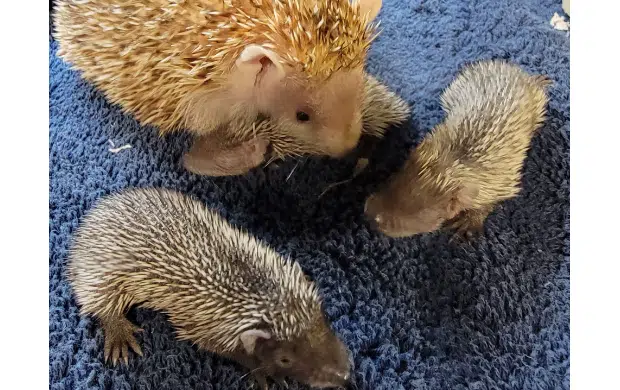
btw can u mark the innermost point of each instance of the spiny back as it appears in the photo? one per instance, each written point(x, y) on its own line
point(493, 108)
point(148, 56)
point(168, 252)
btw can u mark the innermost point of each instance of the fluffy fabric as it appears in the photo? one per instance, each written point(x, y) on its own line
point(417, 313)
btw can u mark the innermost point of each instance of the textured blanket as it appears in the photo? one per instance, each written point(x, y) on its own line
point(417, 313)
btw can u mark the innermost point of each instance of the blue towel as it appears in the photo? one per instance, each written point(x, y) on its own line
point(417, 313)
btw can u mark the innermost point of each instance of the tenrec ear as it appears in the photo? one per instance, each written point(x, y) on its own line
point(255, 58)
point(369, 7)
point(462, 199)
point(249, 338)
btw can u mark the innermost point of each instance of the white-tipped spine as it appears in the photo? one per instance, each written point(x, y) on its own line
point(213, 280)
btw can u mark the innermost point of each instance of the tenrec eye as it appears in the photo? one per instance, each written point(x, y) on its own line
point(302, 116)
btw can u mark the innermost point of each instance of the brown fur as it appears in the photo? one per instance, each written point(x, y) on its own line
point(472, 160)
point(199, 64)
point(221, 289)
point(242, 145)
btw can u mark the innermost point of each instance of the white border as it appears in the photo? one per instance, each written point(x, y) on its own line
point(24, 234)
point(595, 149)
